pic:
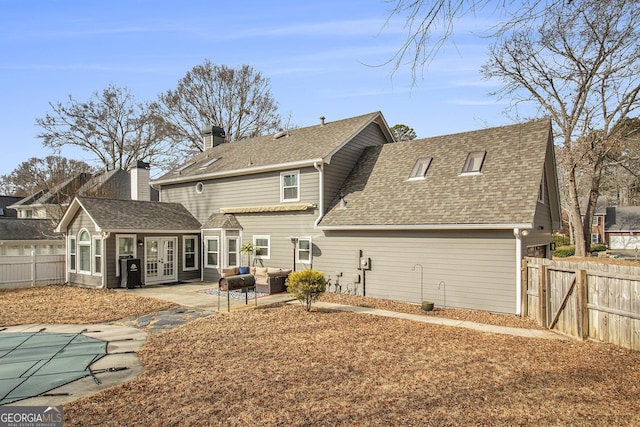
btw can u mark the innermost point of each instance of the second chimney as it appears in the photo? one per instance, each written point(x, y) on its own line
point(212, 137)
point(140, 181)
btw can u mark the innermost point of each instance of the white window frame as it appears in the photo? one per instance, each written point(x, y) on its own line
point(468, 169)
point(118, 254)
point(283, 176)
point(299, 250)
point(419, 171)
point(207, 239)
point(73, 254)
point(97, 258)
point(596, 240)
point(256, 247)
point(81, 244)
point(185, 253)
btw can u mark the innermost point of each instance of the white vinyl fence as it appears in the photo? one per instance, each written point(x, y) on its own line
point(31, 270)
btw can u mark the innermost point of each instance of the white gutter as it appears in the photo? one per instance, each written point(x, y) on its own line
point(425, 227)
point(518, 233)
point(320, 168)
point(238, 172)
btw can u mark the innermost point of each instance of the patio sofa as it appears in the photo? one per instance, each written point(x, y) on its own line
point(268, 279)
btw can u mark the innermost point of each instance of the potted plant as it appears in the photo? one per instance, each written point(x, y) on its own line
point(247, 248)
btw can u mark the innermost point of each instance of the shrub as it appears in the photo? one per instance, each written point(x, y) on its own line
point(561, 240)
point(598, 247)
point(306, 286)
point(564, 251)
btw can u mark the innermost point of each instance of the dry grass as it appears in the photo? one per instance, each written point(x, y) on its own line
point(280, 365)
point(70, 304)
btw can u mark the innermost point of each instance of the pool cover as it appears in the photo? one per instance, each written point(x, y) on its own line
point(32, 363)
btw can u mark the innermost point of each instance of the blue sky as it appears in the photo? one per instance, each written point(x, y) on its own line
point(319, 56)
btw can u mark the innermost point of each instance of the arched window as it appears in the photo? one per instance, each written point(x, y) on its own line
point(84, 252)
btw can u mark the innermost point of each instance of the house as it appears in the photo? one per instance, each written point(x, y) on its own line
point(446, 219)
point(623, 228)
point(22, 236)
point(37, 214)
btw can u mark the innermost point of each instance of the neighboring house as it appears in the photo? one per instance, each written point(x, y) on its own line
point(623, 228)
point(37, 214)
point(5, 202)
point(446, 219)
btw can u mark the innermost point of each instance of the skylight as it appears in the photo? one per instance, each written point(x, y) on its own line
point(183, 167)
point(209, 163)
point(419, 170)
point(474, 162)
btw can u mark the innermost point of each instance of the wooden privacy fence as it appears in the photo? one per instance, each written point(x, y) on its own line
point(584, 299)
point(31, 270)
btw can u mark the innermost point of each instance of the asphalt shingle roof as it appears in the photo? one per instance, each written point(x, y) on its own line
point(111, 214)
point(28, 229)
point(313, 142)
point(378, 193)
point(625, 218)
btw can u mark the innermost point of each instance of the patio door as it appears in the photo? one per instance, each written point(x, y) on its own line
point(160, 259)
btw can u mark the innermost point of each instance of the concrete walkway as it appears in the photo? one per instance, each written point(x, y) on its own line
point(188, 295)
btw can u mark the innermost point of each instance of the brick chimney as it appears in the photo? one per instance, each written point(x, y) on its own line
point(212, 137)
point(140, 181)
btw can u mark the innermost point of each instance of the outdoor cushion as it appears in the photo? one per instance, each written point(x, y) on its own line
point(226, 272)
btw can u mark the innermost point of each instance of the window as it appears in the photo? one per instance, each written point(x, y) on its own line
point(72, 253)
point(27, 213)
point(84, 252)
point(233, 251)
point(595, 221)
point(183, 167)
point(126, 248)
point(290, 186)
point(303, 252)
point(189, 256)
point(199, 188)
point(420, 169)
point(209, 163)
point(212, 257)
point(261, 246)
point(474, 162)
point(595, 238)
point(97, 256)
point(541, 190)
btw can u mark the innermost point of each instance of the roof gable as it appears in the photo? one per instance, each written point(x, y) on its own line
point(378, 191)
point(292, 147)
point(619, 219)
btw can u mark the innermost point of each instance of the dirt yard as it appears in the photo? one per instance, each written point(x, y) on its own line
point(279, 365)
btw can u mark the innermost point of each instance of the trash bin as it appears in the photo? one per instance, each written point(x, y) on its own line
point(130, 273)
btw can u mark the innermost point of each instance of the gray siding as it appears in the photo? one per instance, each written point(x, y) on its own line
point(251, 190)
point(476, 270)
point(80, 221)
point(345, 159)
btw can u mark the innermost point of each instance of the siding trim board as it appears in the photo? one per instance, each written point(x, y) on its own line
point(523, 226)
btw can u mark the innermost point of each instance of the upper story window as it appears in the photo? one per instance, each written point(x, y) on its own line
point(290, 186)
point(474, 162)
point(26, 213)
point(419, 170)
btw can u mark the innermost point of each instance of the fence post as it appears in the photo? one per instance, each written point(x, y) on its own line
point(524, 303)
point(33, 268)
point(582, 312)
point(542, 294)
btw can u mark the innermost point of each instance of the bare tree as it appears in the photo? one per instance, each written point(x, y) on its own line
point(238, 100)
point(430, 23)
point(581, 66)
point(112, 125)
point(40, 175)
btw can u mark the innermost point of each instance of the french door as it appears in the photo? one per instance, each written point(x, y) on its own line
point(160, 259)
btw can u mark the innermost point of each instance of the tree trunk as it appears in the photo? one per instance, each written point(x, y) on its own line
point(574, 214)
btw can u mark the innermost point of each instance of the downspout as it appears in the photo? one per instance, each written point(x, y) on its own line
point(320, 169)
point(202, 255)
point(518, 235)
